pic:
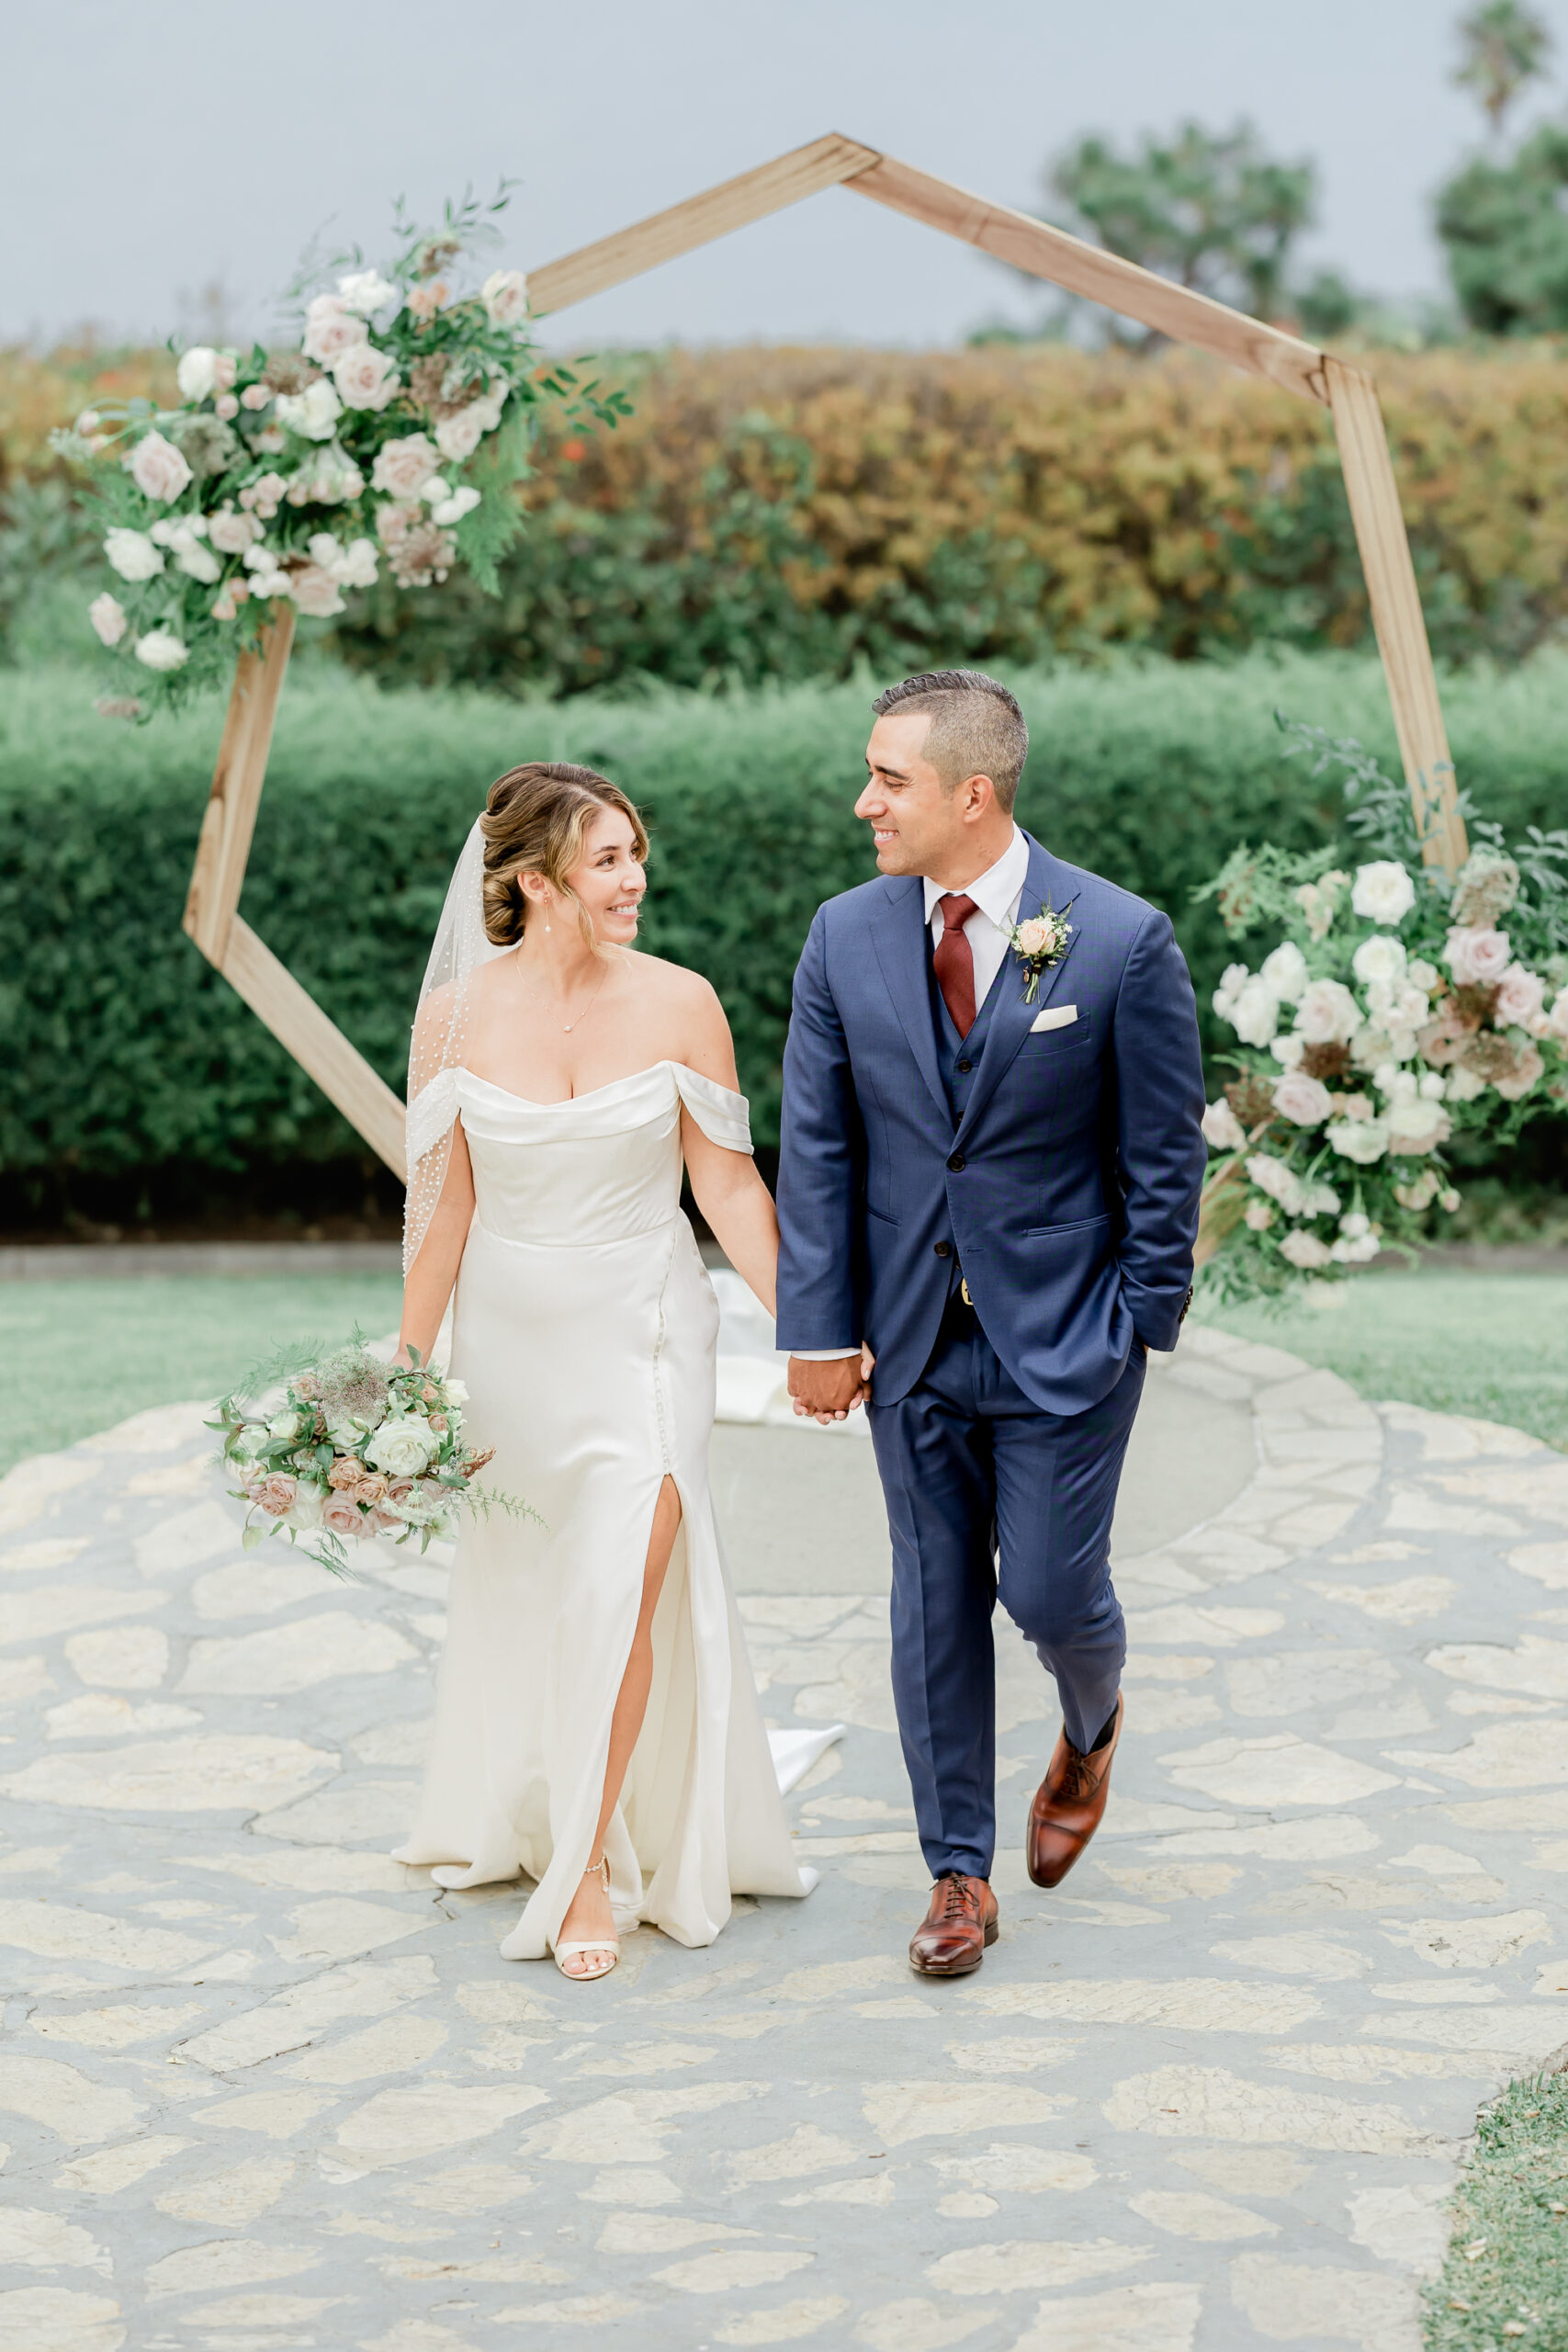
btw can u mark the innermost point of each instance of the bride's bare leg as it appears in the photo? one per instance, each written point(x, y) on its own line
point(588, 1914)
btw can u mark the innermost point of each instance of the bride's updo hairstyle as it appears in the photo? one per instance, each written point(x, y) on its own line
point(535, 822)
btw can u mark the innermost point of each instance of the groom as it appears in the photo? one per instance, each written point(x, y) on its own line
point(989, 1176)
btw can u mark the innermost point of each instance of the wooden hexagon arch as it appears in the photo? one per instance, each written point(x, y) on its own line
point(1350, 394)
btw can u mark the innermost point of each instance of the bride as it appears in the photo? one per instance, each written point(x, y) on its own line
point(596, 1718)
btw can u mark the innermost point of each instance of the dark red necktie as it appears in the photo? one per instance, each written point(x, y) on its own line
point(953, 963)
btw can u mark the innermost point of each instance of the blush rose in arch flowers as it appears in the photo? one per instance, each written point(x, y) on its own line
point(1402, 1010)
point(386, 440)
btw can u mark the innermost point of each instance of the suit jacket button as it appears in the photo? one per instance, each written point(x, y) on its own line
point(956, 1162)
point(943, 1250)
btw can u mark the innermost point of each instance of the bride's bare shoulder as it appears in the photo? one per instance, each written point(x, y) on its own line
point(671, 985)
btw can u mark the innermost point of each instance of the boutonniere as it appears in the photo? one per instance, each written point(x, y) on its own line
point(1040, 942)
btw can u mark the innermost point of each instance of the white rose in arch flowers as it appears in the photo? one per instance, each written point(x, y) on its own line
point(107, 617)
point(132, 554)
point(312, 413)
point(1327, 1014)
point(161, 649)
point(1378, 961)
point(1382, 891)
point(1222, 1129)
point(330, 329)
point(157, 468)
point(363, 293)
point(1476, 956)
point(505, 297)
point(1306, 1251)
point(1520, 997)
point(366, 377)
point(1306, 1102)
point(403, 466)
point(1285, 972)
point(203, 371)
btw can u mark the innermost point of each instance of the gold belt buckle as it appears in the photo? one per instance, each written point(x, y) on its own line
point(963, 1290)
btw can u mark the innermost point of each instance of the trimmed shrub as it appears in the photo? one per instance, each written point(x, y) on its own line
point(127, 1053)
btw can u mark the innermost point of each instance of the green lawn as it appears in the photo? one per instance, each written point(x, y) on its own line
point(1494, 1345)
point(1505, 2280)
point(85, 1353)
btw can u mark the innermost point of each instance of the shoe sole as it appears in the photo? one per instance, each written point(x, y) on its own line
point(968, 1967)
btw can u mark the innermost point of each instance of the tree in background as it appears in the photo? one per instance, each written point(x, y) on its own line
point(1504, 46)
point(1212, 210)
point(1502, 220)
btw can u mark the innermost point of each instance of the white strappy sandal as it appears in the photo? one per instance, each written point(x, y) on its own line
point(607, 1945)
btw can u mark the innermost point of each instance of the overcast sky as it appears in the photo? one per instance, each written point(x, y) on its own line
point(149, 153)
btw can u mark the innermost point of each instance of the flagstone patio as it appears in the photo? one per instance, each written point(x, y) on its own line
point(263, 2087)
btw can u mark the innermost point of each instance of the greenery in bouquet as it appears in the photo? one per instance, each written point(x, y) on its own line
point(356, 1448)
point(1400, 1011)
point(391, 432)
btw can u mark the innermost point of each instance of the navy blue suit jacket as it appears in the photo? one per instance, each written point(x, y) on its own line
point(1069, 1189)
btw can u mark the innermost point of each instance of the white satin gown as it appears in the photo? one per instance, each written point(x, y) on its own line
point(585, 1328)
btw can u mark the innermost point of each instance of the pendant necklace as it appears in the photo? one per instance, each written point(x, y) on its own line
point(567, 1026)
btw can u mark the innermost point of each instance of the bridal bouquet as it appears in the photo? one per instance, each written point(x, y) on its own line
point(389, 431)
point(354, 1448)
point(1401, 1010)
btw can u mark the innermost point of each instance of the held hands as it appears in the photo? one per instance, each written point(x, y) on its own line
point(829, 1392)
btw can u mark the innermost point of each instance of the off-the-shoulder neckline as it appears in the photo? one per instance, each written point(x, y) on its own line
point(566, 1101)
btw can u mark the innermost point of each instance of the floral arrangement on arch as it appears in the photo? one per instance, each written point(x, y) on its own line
point(389, 434)
point(1403, 1010)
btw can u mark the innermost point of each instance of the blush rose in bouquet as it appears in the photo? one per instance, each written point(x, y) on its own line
point(1402, 1009)
point(352, 1448)
point(389, 432)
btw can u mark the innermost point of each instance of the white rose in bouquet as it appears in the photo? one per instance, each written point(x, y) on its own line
point(1521, 995)
point(403, 466)
point(1327, 1014)
point(305, 1510)
point(330, 329)
point(1306, 1102)
point(1379, 960)
point(132, 554)
point(1306, 1251)
point(161, 649)
point(1222, 1128)
point(401, 1446)
point(505, 297)
point(366, 377)
point(312, 413)
point(1476, 958)
point(157, 468)
point(1285, 971)
point(1382, 892)
point(107, 617)
point(1288, 1051)
point(363, 293)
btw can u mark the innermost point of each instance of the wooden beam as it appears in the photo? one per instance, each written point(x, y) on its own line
point(1396, 614)
point(229, 821)
point(1101, 277)
point(318, 1045)
point(698, 222)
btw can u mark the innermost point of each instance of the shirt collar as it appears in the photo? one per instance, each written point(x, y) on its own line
point(994, 891)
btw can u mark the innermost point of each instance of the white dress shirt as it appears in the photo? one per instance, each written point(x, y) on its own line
point(995, 893)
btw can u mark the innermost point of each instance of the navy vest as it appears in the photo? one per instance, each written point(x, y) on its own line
point(958, 1058)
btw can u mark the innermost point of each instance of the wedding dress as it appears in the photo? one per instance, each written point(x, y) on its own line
point(584, 1327)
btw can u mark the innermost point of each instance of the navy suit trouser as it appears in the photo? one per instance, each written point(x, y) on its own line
point(988, 1498)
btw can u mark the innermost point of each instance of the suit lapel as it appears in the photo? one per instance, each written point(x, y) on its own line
point(1012, 1018)
point(899, 934)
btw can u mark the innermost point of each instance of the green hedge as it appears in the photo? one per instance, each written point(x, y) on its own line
point(124, 1052)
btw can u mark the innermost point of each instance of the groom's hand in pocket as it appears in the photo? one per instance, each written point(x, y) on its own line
point(831, 1391)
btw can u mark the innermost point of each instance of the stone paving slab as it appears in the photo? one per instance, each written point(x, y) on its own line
point(264, 2087)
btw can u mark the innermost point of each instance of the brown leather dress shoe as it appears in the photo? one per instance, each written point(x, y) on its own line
point(1068, 1805)
point(962, 1921)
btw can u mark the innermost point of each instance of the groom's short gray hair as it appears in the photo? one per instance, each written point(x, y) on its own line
point(977, 726)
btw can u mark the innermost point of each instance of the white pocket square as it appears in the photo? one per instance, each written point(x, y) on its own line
point(1056, 1016)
